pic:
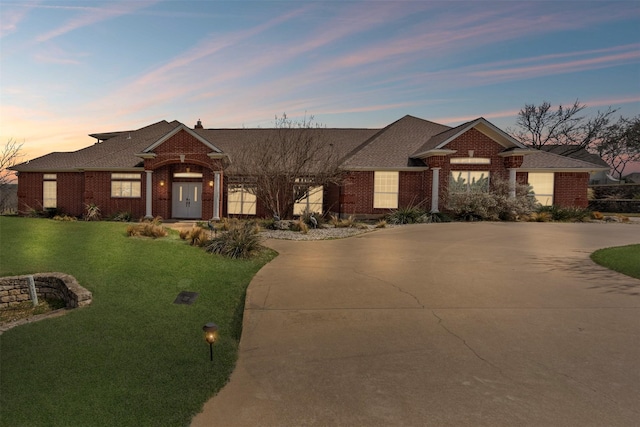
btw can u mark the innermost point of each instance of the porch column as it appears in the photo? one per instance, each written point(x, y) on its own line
point(216, 196)
point(512, 183)
point(149, 188)
point(435, 189)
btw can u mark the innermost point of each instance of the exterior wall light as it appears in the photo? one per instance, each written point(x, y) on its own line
point(210, 183)
point(162, 183)
point(210, 336)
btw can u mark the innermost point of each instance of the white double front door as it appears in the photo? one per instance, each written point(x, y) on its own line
point(187, 200)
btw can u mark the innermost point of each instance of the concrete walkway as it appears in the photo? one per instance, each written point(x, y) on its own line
point(461, 324)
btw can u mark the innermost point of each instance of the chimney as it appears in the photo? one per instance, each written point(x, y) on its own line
point(198, 125)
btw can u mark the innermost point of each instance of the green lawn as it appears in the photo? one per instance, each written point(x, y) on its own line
point(623, 259)
point(132, 358)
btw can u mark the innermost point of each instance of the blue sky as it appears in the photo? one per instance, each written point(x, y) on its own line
point(70, 68)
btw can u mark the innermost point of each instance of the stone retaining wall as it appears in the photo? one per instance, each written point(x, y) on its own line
point(15, 289)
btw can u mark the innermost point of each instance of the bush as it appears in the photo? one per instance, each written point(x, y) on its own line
point(123, 216)
point(345, 223)
point(153, 229)
point(381, 224)
point(300, 226)
point(405, 215)
point(494, 205)
point(64, 218)
point(241, 241)
point(430, 217)
point(197, 236)
point(571, 214)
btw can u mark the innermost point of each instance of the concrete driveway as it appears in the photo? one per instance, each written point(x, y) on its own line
point(461, 324)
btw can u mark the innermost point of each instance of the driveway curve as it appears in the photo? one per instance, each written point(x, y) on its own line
point(460, 324)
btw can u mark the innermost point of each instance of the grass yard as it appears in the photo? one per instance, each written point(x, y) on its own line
point(623, 259)
point(132, 358)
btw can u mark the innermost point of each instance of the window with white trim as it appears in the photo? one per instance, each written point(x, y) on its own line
point(126, 185)
point(385, 189)
point(241, 199)
point(542, 184)
point(470, 161)
point(312, 202)
point(468, 181)
point(49, 191)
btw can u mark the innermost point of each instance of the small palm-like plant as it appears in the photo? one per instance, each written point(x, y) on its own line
point(92, 212)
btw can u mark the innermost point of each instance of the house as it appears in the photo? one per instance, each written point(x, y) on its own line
point(170, 170)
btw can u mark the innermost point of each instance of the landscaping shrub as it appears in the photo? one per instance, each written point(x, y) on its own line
point(92, 212)
point(153, 229)
point(64, 218)
point(381, 224)
point(346, 223)
point(540, 217)
point(241, 241)
point(300, 226)
point(123, 216)
point(430, 217)
point(196, 236)
point(570, 214)
point(493, 205)
point(405, 215)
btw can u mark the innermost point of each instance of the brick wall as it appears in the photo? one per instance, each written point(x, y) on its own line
point(98, 192)
point(70, 189)
point(29, 191)
point(570, 189)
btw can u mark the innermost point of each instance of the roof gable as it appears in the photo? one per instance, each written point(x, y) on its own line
point(392, 146)
point(174, 131)
point(439, 141)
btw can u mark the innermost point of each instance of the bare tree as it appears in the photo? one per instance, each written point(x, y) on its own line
point(286, 163)
point(541, 125)
point(10, 154)
point(621, 145)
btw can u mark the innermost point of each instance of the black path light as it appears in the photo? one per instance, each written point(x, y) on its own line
point(210, 335)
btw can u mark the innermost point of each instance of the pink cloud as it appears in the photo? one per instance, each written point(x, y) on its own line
point(563, 67)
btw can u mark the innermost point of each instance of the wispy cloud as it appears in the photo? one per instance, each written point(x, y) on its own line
point(11, 17)
point(56, 55)
point(93, 15)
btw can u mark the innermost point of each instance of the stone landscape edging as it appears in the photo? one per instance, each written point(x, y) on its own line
point(15, 290)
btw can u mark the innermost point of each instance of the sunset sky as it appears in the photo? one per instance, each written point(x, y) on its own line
point(70, 68)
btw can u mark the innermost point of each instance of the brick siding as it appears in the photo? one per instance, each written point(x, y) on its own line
point(570, 189)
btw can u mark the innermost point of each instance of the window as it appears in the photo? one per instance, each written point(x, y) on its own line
point(470, 161)
point(469, 181)
point(49, 191)
point(125, 185)
point(187, 175)
point(241, 199)
point(385, 190)
point(312, 202)
point(542, 183)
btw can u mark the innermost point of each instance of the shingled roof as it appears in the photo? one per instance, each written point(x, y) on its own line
point(116, 153)
point(544, 160)
point(575, 153)
point(395, 147)
point(391, 147)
